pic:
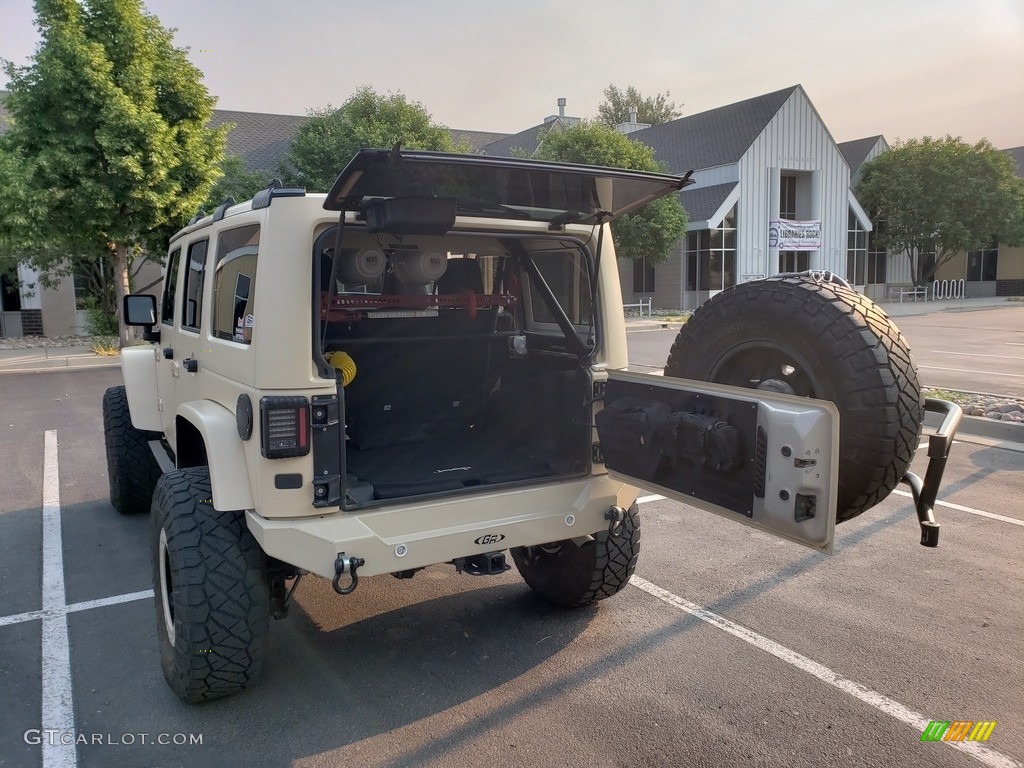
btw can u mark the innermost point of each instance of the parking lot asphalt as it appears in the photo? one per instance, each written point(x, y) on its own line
point(730, 647)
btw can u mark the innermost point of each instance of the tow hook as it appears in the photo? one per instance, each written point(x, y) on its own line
point(615, 516)
point(345, 564)
point(925, 492)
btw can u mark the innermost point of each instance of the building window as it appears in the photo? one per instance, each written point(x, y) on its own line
point(81, 284)
point(876, 267)
point(877, 257)
point(981, 265)
point(711, 256)
point(856, 251)
point(787, 198)
point(643, 276)
point(10, 293)
point(794, 261)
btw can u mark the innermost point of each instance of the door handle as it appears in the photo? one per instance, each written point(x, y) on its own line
point(190, 364)
point(168, 353)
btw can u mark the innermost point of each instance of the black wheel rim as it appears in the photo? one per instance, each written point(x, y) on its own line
point(767, 365)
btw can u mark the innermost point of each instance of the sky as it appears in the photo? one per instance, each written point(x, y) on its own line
point(901, 68)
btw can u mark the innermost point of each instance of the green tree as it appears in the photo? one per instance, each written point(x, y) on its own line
point(655, 109)
point(942, 196)
point(235, 182)
point(649, 233)
point(109, 135)
point(328, 140)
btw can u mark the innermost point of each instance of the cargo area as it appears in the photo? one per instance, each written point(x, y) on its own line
point(463, 378)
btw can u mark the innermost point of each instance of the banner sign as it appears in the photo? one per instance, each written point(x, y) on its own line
point(789, 235)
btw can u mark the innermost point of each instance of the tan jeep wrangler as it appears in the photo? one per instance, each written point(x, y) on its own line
point(428, 365)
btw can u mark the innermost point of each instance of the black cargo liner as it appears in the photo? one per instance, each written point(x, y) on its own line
point(451, 464)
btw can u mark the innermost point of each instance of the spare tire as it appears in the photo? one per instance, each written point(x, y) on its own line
point(821, 340)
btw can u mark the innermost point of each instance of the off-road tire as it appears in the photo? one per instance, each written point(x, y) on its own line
point(132, 471)
point(211, 588)
point(571, 574)
point(843, 348)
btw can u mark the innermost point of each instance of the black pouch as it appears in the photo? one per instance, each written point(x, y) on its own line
point(630, 433)
point(700, 439)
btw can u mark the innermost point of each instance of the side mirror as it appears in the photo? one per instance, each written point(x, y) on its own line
point(140, 310)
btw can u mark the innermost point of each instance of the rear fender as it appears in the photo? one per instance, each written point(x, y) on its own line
point(229, 476)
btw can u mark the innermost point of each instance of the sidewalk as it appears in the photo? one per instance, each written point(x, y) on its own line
point(48, 358)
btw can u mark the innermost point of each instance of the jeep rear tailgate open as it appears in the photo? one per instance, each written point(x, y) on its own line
point(760, 458)
point(499, 187)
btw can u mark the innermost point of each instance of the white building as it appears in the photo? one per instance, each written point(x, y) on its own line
point(756, 163)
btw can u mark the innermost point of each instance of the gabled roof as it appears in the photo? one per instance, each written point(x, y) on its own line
point(477, 140)
point(1017, 153)
point(856, 151)
point(716, 137)
point(703, 203)
point(525, 141)
point(260, 139)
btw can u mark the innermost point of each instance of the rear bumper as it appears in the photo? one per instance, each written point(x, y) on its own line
point(403, 538)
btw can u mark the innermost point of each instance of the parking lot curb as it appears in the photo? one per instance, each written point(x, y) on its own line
point(982, 427)
point(59, 364)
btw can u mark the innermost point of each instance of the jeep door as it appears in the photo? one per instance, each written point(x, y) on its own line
point(181, 320)
point(764, 459)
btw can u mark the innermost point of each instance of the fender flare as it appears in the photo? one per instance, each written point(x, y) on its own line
point(138, 368)
point(229, 476)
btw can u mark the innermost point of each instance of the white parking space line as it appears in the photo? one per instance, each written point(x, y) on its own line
point(102, 602)
point(653, 497)
point(973, 354)
point(971, 370)
point(58, 710)
point(18, 618)
point(971, 510)
point(872, 698)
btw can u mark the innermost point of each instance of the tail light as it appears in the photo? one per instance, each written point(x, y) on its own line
point(284, 427)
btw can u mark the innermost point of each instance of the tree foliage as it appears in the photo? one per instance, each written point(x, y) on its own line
point(235, 182)
point(942, 196)
point(108, 138)
point(328, 140)
point(649, 233)
point(655, 109)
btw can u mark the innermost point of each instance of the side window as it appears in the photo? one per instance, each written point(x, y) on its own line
point(565, 272)
point(170, 283)
point(234, 284)
point(195, 274)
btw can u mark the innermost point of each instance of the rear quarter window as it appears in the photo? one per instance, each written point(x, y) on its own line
point(234, 284)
